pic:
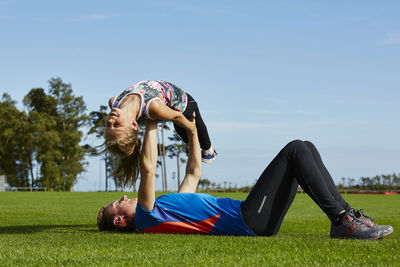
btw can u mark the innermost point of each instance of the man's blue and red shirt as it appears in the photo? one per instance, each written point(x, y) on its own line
point(192, 213)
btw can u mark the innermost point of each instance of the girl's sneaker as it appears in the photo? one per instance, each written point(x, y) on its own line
point(208, 155)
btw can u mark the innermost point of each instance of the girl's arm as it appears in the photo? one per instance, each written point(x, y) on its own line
point(193, 166)
point(148, 165)
point(159, 111)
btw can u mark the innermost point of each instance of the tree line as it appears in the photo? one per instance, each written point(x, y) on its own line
point(41, 145)
point(378, 182)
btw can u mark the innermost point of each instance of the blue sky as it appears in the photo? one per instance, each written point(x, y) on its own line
point(263, 72)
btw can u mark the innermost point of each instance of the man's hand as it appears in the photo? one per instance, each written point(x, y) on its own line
point(192, 130)
point(192, 126)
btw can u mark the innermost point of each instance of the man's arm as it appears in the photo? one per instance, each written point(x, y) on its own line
point(193, 166)
point(159, 111)
point(148, 165)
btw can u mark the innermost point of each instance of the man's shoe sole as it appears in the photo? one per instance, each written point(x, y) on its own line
point(374, 238)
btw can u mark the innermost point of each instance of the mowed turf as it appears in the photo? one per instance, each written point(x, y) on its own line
point(49, 228)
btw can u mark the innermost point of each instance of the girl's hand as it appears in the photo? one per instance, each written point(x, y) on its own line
point(110, 101)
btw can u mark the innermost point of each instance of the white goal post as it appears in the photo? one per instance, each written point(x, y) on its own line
point(3, 182)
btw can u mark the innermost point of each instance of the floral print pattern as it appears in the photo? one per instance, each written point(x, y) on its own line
point(169, 94)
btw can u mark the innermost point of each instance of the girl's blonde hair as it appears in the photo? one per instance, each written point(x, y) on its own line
point(127, 147)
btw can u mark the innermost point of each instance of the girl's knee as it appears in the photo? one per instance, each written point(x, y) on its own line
point(298, 147)
point(296, 143)
point(309, 143)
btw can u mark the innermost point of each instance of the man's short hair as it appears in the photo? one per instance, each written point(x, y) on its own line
point(104, 222)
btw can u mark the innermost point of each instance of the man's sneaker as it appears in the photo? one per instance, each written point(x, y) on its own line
point(369, 222)
point(208, 155)
point(350, 227)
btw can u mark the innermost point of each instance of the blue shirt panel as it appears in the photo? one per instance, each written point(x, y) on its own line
point(194, 207)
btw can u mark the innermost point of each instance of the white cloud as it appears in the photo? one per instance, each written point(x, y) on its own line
point(239, 125)
point(233, 125)
point(189, 8)
point(305, 112)
point(89, 17)
point(264, 112)
point(95, 17)
point(392, 38)
point(276, 113)
point(276, 100)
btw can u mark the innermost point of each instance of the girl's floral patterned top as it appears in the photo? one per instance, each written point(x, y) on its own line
point(169, 94)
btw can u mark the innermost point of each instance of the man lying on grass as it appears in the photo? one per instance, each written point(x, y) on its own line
point(262, 212)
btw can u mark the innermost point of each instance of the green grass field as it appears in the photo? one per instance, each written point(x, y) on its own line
point(60, 229)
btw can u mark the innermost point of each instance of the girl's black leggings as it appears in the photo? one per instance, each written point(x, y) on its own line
point(299, 162)
point(202, 132)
